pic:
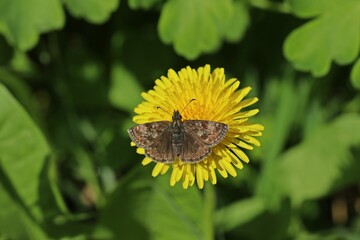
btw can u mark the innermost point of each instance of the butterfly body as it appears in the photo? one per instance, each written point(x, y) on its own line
point(177, 133)
point(189, 140)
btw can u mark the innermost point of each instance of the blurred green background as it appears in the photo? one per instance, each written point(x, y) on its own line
point(71, 73)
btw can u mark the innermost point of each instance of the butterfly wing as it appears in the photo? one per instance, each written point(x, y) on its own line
point(193, 150)
point(144, 135)
point(209, 132)
point(161, 149)
point(155, 138)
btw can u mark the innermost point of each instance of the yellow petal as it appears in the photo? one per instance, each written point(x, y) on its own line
point(157, 169)
point(146, 161)
point(199, 177)
point(165, 169)
point(240, 154)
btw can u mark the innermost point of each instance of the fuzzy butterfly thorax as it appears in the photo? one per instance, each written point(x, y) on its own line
point(189, 140)
point(177, 133)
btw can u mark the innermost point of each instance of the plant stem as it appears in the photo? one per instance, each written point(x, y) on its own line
point(209, 207)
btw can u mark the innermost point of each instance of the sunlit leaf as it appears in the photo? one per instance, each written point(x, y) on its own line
point(322, 162)
point(238, 23)
point(23, 149)
point(23, 152)
point(143, 4)
point(308, 8)
point(194, 26)
point(238, 213)
point(94, 11)
point(355, 75)
point(21, 22)
point(332, 36)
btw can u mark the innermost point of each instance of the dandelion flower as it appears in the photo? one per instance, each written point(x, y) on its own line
point(216, 99)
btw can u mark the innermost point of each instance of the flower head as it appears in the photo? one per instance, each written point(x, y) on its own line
point(216, 99)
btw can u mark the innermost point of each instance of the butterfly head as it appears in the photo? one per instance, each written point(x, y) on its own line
point(176, 117)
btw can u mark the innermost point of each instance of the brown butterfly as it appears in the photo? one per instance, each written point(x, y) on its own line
point(189, 140)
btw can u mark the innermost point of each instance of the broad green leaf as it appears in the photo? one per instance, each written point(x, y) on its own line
point(238, 213)
point(94, 11)
point(21, 22)
point(124, 91)
point(19, 88)
point(322, 162)
point(194, 26)
point(143, 4)
point(15, 223)
point(355, 75)
point(238, 23)
point(143, 207)
point(311, 8)
point(308, 8)
point(333, 36)
point(23, 151)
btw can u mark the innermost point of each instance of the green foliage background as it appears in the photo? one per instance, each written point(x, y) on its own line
point(72, 71)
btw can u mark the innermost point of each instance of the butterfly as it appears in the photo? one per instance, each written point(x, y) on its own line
point(190, 141)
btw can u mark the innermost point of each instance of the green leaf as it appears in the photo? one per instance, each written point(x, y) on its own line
point(238, 213)
point(238, 23)
point(20, 90)
point(355, 75)
point(21, 22)
point(332, 36)
point(94, 11)
point(143, 4)
point(23, 150)
point(284, 100)
point(124, 91)
point(144, 207)
point(308, 8)
point(15, 223)
point(312, 8)
point(194, 26)
point(322, 162)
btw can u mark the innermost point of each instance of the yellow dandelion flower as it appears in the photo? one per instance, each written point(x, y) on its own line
point(215, 99)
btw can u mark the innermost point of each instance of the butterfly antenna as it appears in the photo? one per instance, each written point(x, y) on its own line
point(157, 108)
point(188, 104)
